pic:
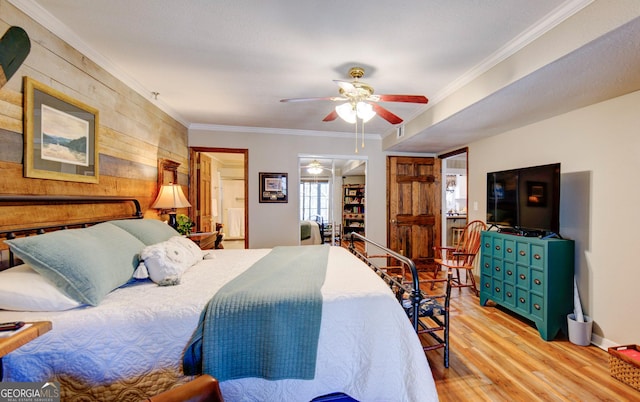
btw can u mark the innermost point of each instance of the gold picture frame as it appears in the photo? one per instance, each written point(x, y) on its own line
point(60, 135)
point(167, 172)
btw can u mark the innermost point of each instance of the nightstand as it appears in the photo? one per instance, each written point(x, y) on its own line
point(22, 337)
point(205, 240)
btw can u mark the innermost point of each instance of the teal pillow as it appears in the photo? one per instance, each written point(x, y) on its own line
point(85, 264)
point(148, 231)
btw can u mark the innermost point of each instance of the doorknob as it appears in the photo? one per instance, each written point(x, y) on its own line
point(393, 221)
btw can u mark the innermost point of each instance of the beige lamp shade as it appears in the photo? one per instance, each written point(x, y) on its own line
point(170, 197)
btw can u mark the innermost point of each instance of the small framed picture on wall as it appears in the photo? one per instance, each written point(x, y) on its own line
point(273, 187)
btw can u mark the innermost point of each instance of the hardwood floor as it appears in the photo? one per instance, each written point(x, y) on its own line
point(498, 356)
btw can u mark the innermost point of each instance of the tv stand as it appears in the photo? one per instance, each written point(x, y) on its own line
point(530, 276)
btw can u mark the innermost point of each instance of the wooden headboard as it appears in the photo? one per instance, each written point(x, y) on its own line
point(26, 215)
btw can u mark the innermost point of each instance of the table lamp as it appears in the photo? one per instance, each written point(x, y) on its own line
point(169, 198)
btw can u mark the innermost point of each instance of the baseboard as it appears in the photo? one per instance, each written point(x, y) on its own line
point(602, 343)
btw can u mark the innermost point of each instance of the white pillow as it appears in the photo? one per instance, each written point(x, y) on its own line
point(23, 289)
point(165, 262)
point(195, 253)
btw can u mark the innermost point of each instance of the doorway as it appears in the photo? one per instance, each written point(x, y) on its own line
point(323, 179)
point(218, 185)
point(454, 195)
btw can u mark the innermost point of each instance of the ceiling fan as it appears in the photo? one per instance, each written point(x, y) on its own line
point(360, 102)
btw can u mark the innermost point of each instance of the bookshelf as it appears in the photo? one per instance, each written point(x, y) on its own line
point(353, 208)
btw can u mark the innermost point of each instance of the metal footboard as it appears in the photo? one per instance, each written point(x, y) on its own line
point(397, 283)
point(429, 314)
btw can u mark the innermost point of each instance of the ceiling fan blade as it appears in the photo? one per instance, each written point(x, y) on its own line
point(331, 116)
point(385, 114)
point(402, 98)
point(346, 86)
point(327, 98)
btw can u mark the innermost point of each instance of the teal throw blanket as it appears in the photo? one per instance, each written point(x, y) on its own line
point(266, 322)
point(305, 230)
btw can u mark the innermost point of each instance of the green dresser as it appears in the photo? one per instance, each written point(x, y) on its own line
point(530, 276)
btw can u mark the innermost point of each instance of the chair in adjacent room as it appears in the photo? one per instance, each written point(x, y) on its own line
point(204, 388)
point(461, 257)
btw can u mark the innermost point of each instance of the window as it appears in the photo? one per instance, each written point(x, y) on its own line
point(314, 199)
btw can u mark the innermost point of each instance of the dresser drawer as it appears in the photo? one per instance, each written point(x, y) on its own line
point(523, 303)
point(497, 269)
point(487, 245)
point(509, 249)
point(523, 278)
point(497, 247)
point(509, 295)
point(509, 274)
point(497, 290)
point(487, 264)
point(537, 306)
point(537, 282)
point(485, 285)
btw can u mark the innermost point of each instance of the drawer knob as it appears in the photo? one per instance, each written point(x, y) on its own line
point(537, 281)
point(486, 285)
point(498, 269)
point(509, 272)
point(497, 290)
point(523, 277)
point(522, 253)
point(536, 306)
point(486, 245)
point(498, 247)
point(509, 250)
point(522, 300)
point(537, 256)
point(509, 294)
point(486, 265)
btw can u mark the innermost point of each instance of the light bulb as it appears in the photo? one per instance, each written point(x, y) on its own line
point(346, 112)
point(365, 111)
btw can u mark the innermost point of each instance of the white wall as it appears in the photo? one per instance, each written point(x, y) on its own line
point(599, 151)
point(278, 224)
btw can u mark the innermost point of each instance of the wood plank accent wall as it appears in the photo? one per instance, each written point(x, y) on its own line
point(133, 134)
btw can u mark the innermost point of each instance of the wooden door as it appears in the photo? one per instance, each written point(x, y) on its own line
point(204, 214)
point(414, 203)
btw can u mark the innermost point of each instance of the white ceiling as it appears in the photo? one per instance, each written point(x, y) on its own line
point(225, 64)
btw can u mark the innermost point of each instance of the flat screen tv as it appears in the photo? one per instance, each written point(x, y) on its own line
point(526, 200)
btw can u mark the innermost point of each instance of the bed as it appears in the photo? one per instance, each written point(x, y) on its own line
point(311, 232)
point(130, 344)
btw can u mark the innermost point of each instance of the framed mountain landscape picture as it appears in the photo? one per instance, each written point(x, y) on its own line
point(61, 135)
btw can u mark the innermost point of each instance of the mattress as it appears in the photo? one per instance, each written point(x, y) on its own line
point(136, 336)
point(316, 237)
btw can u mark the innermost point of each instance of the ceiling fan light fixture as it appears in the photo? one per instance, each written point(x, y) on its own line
point(346, 112)
point(365, 111)
point(350, 112)
point(314, 167)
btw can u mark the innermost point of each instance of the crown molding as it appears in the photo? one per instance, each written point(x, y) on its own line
point(277, 131)
point(544, 25)
point(47, 20)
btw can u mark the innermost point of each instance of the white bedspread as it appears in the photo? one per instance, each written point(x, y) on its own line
point(367, 346)
point(316, 237)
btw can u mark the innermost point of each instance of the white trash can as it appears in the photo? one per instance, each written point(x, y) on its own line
point(580, 332)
